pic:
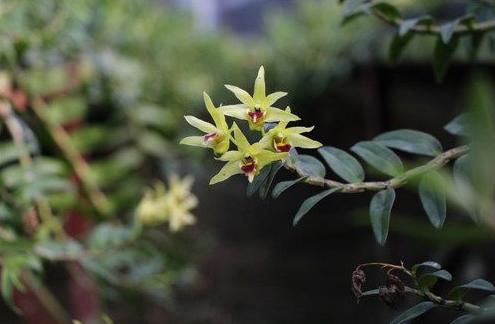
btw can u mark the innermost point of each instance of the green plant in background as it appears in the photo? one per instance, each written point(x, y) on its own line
point(470, 185)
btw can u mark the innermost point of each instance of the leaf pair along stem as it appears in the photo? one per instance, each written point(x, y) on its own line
point(396, 182)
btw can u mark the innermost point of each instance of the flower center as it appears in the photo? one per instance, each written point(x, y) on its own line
point(210, 137)
point(248, 166)
point(256, 115)
point(280, 144)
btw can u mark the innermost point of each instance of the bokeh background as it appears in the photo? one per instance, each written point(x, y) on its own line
point(149, 62)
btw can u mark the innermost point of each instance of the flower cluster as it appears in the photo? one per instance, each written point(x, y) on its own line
point(257, 110)
point(160, 205)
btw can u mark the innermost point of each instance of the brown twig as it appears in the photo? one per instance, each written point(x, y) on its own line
point(396, 182)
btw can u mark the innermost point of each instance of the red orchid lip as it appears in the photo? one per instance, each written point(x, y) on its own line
point(248, 165)
point(210, 137)
point(282, 147)
point(256, 115)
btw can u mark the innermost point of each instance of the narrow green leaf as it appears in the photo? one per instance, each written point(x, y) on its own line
point(379, 157)
point(265, 187)
point(398, 45)
point(372, 292)
point(411, 141)
point(343, 164)
point(433, 199)
point(459, 292)
point(428, 280)
point(464, 319)
point(414, 312)
point(258, 181)
point(380, 208)
point(310, 166)
point(442, 56)
point(387, 10)
point(284, 185)
point(457, 126)
point(426, 264)
point(447, 30)
point(408, 24)
point(310, 203)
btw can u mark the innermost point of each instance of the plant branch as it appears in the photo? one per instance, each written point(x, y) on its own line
point(467, 307)
point(396, 182)
point(77, 161)
point(436, 29)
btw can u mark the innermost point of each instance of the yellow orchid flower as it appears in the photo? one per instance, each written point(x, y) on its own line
point(257, 109)
point(217, 136)
point(249, 159)
point(282, 139)
point(173, 206)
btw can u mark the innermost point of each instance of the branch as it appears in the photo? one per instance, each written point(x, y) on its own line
point(396, 182)
point(467, 307)
point(78, 163)
point(435, 29)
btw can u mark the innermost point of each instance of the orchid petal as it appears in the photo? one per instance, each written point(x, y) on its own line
point(298, 140)
point(299, 130)
point(259, 86)
point(275, 114)
point(236, 111)
point(242, 95)
point(231, 156)
point(240, 140)
point(217, 115)
point(266, 157)
point(228, 170)
point(194, 141)
point(272, 98)
point(200, 124)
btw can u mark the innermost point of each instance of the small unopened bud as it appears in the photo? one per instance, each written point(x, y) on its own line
point(30, 221)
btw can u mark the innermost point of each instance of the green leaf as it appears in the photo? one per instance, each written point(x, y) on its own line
point(464, 319)
point(398, 45)
point(352, 10)
point(442, 56)
point(428, 280)
point(414, 312)
point(371, 292)
point(408, 24)
point(258, 181)
point(380, 208)
point(426, 264)
point(411, 141)
point(457, 126)
point(380, 157)
point(343, 164)
point(310, 166)
point(310, 203)
point(433, 199)
point(265, 187)
point(459, 292)
point(284, 185)
point(385, 9)
point(447, 30)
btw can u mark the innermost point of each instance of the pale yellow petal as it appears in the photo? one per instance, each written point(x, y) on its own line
point(298, 140)
point(242, 95)
point(240, 140)
point(200, 124)
point(193, 141)
point(215, 114)
point(231, 156)
point(228, 170)
point(266, 157)
point(274, 97)
point(259, 86)
point(275, 115)
point(236, 111)
point(299, 130)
